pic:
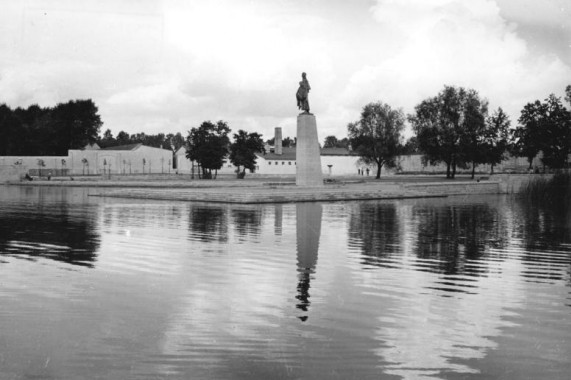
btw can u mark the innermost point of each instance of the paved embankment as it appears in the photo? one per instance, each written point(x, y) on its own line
point(285, 194)
point(283, 190)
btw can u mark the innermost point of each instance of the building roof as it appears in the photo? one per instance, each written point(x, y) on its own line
point(336, 152)
point(91, 146)
point(124, 147)
point(181, 151)
point(289, 154)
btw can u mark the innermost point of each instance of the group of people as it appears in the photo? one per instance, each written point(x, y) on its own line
point(362, 171)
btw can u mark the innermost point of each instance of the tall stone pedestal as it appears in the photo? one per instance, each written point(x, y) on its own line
point(308, 156)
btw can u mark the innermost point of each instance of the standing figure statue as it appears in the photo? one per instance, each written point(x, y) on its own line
point(302, 93)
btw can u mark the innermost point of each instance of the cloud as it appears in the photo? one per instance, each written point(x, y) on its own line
point(167, 66)
point(456, 43)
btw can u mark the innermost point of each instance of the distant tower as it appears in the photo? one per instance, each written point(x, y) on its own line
point(278, 141)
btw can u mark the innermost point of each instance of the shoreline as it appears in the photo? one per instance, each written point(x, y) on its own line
point(260, 190)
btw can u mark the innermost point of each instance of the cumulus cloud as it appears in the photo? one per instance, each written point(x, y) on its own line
point(456, 43)
point(167, 66)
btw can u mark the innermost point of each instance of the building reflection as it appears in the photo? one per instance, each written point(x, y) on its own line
point(308, 232)
point(54, 230)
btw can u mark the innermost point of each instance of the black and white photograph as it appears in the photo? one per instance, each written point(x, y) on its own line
point(285, 189)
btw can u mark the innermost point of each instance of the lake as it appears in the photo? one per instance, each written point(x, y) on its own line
point(451, 288)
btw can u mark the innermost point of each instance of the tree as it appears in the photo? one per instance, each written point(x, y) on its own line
point(496, 138)
point(123, 138)
point(410, 147)
point(375, 137)
point(330, 142)
point(544, 127)
point(473, 124)
point(334, 142)
point(174, 141)
point(107, 140)
point(441, 123)
point(75, 124)
point(526, 138)
point(208, 146)
point(556, 134)
point(289, 142)
point(10, 127)
point(243, 151)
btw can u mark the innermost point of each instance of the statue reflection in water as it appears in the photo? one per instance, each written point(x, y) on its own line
point(308, 228)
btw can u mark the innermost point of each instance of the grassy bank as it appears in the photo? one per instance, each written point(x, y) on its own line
point(556, 190)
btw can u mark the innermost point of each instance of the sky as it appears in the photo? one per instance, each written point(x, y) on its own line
point(166, 66)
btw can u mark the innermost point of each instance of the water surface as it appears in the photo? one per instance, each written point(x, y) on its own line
point(456, 288)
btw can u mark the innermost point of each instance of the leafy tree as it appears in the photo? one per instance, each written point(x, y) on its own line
point(473, 126)
point(556, 134)
point(440, 125)
point(75, 124)
point(526, 139)
point(10, 127)
point(496, 138)
point(375, 137)
point(107, 140)
point(334, 142)
point(243, 151)
point(123, 138)
point(289, 142)
point(544, 127)
point(48, 131)
point(208, 145)
point(410, 147)
point(174, 141)
point(330, 142)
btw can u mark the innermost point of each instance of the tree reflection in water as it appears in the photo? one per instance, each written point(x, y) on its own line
point(456, 234)
point(374, 227)
point(308, 232)
point(445, 237)
point(247, 221)
point(208, 223)
point(544, 228)
point(53, 231)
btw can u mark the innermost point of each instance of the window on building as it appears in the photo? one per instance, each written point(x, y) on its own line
point(283, 162)
point(269, 162)
point(289, 163)
point(276, 162)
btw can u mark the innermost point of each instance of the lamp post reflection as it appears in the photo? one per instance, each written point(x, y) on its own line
point(308, 229)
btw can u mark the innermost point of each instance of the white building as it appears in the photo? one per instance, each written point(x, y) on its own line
point(126, 159)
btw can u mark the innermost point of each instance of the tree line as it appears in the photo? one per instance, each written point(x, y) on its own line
point(170, 141)
point(49, 131)
point(456, 128)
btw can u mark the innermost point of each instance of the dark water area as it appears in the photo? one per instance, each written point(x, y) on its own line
point(455, 288)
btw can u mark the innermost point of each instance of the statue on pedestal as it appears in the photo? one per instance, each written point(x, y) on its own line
point(302, 94)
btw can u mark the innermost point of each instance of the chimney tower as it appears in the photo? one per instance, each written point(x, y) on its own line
point(278, 141)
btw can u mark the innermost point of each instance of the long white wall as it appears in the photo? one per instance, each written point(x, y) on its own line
point(97, 162)
point(121, 161)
